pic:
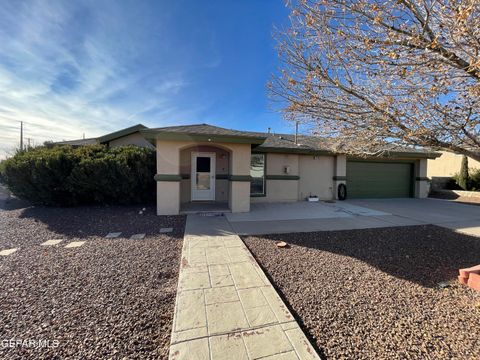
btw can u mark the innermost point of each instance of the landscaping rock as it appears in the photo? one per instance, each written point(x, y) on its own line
point(108, 299)
point(373, 294)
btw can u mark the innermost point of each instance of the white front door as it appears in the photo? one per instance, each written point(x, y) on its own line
point(203, 176)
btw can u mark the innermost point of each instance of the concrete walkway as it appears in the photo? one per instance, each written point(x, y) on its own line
point(226, 308)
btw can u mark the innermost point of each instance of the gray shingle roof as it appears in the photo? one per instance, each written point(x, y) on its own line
point(206, 129)
point(306, 144)
point(77, 142)
point(263, 142)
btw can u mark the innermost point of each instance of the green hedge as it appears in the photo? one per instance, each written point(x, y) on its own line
point(472, 183)
point(66, 176)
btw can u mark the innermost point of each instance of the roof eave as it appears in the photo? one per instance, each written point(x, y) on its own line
point(284, 150)
point(121, 133)
point(181, 136)
point(399, 154)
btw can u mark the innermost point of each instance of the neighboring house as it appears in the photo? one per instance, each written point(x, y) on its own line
point(448, 165)
point(204, 163)
point(127, 136)
point(75, 143)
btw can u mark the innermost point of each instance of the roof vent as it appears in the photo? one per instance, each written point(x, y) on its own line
point(296, 132)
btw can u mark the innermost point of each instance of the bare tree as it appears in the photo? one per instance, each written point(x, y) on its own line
point(371, 73)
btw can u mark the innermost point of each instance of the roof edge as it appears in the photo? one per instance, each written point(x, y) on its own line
point(186, 136)
point(121, 133)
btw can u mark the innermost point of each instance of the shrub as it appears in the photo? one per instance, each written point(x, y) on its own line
point(475, 179)
point(65, 176)
point(2, 171)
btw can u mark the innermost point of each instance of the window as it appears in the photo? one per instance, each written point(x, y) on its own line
point(257, 172)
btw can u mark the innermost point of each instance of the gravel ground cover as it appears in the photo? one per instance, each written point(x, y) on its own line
point(374, 294)
point(109, 298)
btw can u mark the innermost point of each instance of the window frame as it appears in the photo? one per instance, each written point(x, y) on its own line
point(264, 177)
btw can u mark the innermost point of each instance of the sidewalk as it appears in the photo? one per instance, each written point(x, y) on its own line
point(226, 307)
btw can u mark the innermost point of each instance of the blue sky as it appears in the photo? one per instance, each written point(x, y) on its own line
point(74, 67)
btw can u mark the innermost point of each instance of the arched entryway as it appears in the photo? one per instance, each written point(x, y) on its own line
point(205, 171)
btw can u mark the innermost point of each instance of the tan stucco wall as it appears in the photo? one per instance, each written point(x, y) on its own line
point(448, 164)
point(340, 171)
point(315, 172)
point(280, 190)
point(168, 163)
point(277, 162)
point(168, 198)
point(239, 201)
point(316, 176)
point(132, 139)
point(422, 187)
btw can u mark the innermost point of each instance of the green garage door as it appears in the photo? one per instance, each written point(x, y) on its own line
point(379, 179)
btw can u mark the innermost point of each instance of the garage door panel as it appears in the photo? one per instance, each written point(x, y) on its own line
point(379, 180)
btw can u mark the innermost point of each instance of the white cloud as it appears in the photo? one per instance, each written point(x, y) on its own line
point(62, 75)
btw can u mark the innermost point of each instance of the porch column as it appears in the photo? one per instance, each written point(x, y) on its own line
point(340, 174)
point(239, 184)
point(422, 182)
point(168, 178)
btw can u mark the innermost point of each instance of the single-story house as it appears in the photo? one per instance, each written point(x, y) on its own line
point(204, 165)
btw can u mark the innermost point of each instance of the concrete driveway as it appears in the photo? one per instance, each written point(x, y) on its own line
point(460, 217)
point(355, 214)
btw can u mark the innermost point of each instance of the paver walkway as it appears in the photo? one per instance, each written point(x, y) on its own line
point(226, 308)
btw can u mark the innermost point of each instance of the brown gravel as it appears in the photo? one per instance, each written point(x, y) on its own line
point(373, 294)
point(107, 299)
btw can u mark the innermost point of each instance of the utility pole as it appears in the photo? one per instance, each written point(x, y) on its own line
point(21, 135)
point(296, 132)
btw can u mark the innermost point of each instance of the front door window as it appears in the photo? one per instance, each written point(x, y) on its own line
point(203, 172)
point(203, 176)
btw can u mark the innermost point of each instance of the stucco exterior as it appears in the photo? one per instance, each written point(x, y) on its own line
point(422, 184)
point(291, 173)
point(293, 177)
point(280, 190)
point(448, 165)
point(316, 176)
point(173, 161)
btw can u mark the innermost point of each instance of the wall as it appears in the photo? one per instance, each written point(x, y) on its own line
point(280, 190)
point(168, 164)
point(316, 176)
point(315, 173)
point(422, 185)
point(132, 139)
point(448, 164)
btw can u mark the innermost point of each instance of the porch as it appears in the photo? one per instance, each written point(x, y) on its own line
point(209, 207)
point(202, 176)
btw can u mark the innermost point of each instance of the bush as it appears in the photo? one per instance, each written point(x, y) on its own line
point(66, 176)
point(475, 179)
point(2, 171)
